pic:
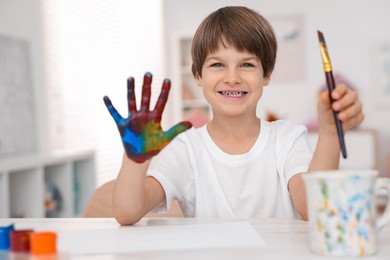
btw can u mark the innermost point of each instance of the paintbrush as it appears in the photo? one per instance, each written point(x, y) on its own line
point(331, 86)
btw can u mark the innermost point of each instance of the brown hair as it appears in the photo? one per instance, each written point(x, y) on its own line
point(239, 26)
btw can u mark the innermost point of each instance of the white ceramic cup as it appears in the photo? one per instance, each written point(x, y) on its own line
point(342, 211)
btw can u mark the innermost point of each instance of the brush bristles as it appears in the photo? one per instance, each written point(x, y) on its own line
point(320, 36)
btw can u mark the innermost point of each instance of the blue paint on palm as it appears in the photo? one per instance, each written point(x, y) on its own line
point(132, 139)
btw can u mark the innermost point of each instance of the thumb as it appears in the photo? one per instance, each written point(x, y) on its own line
point(177, 129)
point(324, 101)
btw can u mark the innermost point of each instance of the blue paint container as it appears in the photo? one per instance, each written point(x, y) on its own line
point(4, 237)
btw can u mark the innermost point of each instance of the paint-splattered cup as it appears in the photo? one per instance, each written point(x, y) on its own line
point(342, 211)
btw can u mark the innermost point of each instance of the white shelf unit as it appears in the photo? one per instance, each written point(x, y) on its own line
point(188, 97)
point(22, 184)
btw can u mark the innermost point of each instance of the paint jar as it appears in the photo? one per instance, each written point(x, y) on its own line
point(342, 211)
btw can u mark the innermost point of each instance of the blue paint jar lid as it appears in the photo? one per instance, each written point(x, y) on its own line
point(4, 236)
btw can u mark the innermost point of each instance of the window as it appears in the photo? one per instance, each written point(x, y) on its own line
point(91, 48)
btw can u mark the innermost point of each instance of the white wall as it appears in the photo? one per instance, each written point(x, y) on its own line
point(351, 27)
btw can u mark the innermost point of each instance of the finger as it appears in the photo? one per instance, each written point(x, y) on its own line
point(354, 121)
point(340, 90)
point(177, 129)
point(131, 103)
point(351, 111)
point(114, 113)
point(347, 100)
point(162, 99)
point(145, 101)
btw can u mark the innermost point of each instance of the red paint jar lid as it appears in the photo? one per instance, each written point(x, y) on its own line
point(20, 240)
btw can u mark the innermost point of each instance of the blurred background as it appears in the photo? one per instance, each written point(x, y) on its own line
point(59, 58)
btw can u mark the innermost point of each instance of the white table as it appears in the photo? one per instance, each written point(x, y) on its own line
point(286, 239)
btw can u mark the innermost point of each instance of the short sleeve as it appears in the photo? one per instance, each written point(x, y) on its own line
point(299, 155)
point(293, 153)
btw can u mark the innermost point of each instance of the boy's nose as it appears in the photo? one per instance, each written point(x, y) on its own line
point(232, 77)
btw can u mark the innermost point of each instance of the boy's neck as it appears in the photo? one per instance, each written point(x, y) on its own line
point(234, 137)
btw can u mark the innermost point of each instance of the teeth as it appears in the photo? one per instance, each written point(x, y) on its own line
point(233, 93)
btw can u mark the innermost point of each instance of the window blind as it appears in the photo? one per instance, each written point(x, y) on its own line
point(91, 48)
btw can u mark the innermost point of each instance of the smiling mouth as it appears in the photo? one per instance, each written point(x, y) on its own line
point(233, 93)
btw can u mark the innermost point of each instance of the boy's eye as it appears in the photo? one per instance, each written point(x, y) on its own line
point(217, 65)
point(247, 65)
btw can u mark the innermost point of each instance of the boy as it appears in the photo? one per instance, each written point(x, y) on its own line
point(237, 165)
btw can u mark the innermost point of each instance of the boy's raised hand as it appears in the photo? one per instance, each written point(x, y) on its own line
point(346, 103)
point(141, 131)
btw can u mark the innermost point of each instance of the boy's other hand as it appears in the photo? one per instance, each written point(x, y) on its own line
point(141, 131)
point(346, 103)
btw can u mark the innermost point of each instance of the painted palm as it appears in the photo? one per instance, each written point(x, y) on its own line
point(141, 131)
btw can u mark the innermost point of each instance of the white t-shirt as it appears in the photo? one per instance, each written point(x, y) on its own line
point(210, 183)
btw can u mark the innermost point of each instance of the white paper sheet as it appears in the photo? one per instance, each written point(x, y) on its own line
point(157, 238)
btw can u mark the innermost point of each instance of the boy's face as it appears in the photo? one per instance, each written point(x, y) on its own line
point(232, 81)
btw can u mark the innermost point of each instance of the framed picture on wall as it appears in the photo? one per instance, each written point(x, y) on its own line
point(381, 73)
point(290, 62)
point(17, 106)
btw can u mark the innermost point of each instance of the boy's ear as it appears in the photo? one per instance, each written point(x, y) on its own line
point(267, 79)
point(198, 79)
